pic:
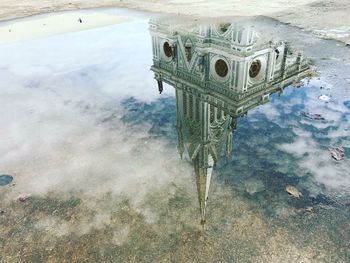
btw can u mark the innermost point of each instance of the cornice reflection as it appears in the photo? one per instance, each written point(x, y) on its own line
point(219, 73)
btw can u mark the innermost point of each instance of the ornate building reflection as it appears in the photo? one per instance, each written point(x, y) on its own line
point(219, 73)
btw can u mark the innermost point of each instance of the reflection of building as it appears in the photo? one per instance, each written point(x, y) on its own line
point(219, 73)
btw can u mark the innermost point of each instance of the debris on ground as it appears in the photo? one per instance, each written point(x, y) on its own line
point(55, 212)
point(293, 191)
point(337, 153)
point(2, 212)
point(23, 197)
point(325, 98)
point(298, 84)
point(316, 117)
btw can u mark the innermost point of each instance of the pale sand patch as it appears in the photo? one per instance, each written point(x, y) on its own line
point(56, 23)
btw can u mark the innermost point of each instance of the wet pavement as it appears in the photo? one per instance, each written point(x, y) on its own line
point(106, 169)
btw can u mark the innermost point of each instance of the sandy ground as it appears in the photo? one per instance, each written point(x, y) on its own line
point(57, 23)
point(324, 18)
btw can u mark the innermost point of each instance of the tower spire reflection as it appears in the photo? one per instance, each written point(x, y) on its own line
point(219, 73)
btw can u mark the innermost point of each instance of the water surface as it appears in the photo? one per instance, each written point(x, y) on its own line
point(93, 145)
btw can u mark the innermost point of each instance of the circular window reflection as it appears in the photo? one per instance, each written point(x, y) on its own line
point(167, 50)
point(255, 68)
point(221, 68)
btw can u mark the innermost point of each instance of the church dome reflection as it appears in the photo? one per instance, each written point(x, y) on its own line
point(227, 74)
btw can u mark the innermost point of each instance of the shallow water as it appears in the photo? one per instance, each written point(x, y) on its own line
point(94, 147)
point(5, 179)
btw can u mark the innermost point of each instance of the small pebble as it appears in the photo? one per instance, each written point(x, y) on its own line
point(55, 212)
point(309, 209)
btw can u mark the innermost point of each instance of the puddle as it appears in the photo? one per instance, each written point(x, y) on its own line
point(5, 179)
point(347, 104)
point(159, 139)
